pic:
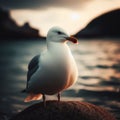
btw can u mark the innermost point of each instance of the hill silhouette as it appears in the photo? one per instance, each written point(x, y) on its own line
point(105, 25)
point(10, 30)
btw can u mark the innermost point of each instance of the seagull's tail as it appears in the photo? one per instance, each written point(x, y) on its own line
point(32, 97)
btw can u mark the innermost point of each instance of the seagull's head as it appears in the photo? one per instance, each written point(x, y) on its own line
point(56, 34)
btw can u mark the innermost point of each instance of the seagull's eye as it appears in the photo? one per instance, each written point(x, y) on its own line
point(59, 32)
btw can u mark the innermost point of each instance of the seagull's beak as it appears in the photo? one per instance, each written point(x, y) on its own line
point(72, 39)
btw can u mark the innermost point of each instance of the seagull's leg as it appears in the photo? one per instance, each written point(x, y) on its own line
point(58, 96)
point(44, 100)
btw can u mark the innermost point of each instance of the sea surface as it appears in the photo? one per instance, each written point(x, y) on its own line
point(98, 63)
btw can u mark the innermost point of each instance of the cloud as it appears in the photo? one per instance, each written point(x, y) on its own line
point(40, 4)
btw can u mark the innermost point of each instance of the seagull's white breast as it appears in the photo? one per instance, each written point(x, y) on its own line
point(57, 71)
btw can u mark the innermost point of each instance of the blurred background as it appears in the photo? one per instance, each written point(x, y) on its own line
point(23, 28)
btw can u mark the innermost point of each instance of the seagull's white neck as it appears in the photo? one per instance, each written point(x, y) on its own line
point(55, 47)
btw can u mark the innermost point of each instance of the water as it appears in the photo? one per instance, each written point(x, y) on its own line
point(98, 82)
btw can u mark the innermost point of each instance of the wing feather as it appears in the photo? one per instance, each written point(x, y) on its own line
point(32, 67)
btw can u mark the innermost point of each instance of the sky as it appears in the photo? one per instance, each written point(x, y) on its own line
point(71, 15)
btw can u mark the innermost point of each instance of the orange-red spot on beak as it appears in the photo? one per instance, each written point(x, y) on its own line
point(72, 39)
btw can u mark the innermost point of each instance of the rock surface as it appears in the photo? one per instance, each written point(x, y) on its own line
point(65, 110)
point(105, 25)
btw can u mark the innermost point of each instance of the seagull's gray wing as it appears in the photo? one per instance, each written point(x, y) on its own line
point(32, 67)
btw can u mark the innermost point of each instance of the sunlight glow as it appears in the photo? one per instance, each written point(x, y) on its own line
point(43, 20)
point(75, 16)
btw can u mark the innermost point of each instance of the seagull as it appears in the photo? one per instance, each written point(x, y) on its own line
point(54, 70)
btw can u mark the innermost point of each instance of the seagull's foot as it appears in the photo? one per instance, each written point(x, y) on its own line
point(58, 96)
point(44, 100)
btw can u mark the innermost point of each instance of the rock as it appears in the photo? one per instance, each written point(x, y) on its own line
point(64, 110)
point(105, 25)
point(3, 116)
